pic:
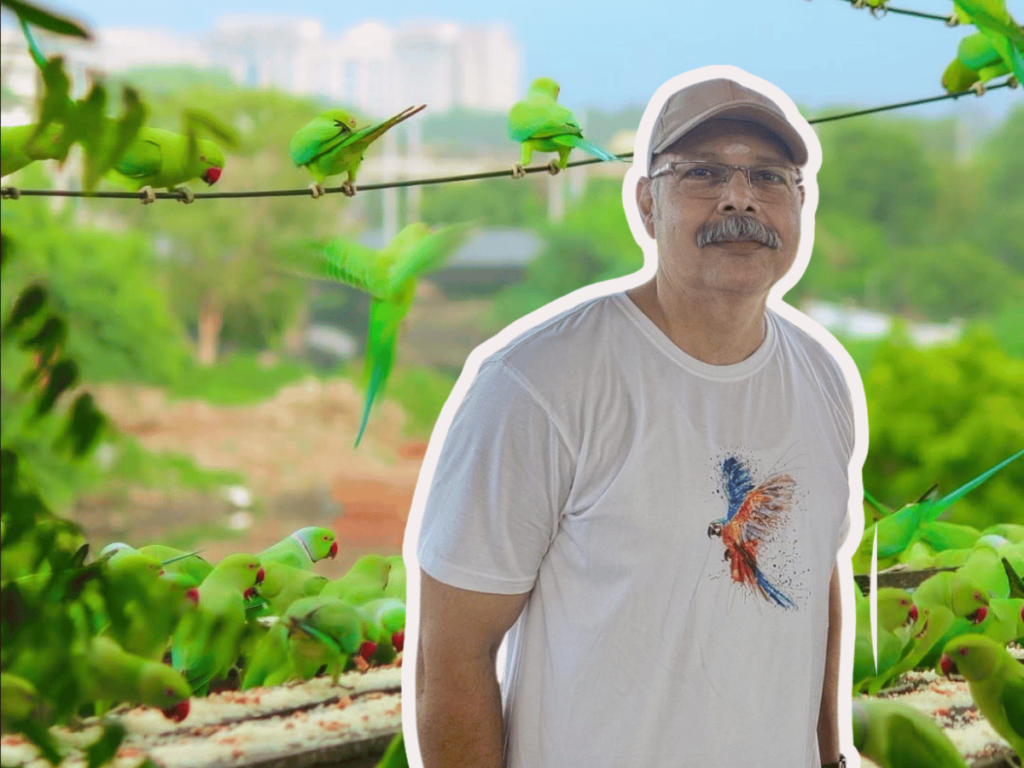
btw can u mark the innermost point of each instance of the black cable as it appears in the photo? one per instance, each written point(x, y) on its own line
point(881, 10)
point(12, 193)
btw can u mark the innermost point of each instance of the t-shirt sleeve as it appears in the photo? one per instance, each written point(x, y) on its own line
point(501, 480)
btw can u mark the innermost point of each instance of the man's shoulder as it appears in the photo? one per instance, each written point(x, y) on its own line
point(811, 345)
point(563, 340)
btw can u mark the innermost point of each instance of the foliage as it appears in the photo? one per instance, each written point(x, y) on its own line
point(238, 379)
point(422, 393)
point(945, 415)
point(592, 243)
point(486, 202)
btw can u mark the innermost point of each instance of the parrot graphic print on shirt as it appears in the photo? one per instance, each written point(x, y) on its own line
point(757, 513)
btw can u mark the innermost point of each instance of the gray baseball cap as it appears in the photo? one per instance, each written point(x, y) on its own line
point(721, 98)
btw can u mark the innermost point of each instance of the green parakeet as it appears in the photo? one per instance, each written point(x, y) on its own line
point(206, 642)
point(364, 581)
point(996, 680)
point(931, 625)
point(270, 663)
point(387, 614)
point(1005, 621)
point(16, 151)
point(389, 276)
point(395, 586)
point(897, 531)
point(1009, 531)
point(958, 77)
point(539, 123)
point(107, 672)
point(284, 585)
point(895, 608)
point(322, 631)
point(993, 21)
point(394, 756)
point(18, 699)
point(331, 143)
point(179, 561)
point(302, 548)
point(159, 158)
point(941, 536)
point(896, 735)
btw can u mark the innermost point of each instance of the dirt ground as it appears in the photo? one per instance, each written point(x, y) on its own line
point(296, 454)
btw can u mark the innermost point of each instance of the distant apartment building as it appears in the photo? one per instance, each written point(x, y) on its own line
point(374, 68)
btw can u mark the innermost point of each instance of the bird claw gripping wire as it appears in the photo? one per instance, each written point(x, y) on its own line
point(10, 193)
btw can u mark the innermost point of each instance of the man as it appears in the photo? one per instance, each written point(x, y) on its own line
point(649, 490)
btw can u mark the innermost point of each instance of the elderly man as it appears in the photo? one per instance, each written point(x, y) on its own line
point(649, 490)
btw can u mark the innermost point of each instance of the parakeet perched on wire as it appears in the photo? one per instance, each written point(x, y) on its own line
point(896, 735)
point(541, 124)
point(993, 21)
point(996, 680)
point(302, 548)
point(389, 276)
point(331, 143)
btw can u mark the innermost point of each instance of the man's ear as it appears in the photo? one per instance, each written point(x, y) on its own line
point(645, 204)
point(803, 195)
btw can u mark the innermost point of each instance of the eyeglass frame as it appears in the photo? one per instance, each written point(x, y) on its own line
point(669, 168)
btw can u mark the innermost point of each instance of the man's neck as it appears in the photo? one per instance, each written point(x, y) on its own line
point(716, 329)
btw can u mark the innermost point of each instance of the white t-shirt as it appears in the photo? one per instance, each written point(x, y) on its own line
point(589, 462)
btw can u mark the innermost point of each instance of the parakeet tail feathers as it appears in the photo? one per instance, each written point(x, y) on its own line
point(37, 55)
point(581, 143)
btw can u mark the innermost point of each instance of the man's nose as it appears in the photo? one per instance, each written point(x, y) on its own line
point(737, 195)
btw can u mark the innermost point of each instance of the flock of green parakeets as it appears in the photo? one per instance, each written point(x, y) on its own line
point(187, 625)
point(958, 621)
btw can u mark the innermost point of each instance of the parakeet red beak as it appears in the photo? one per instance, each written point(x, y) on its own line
point(212, 175)
point(979, 615)
point(948, 665)
point(193, 595)
point(250, 592)
point(333, 551)
point(913, 613)
point(178, 712)
point(398, 639)
point(367, 649)
point(260, 575)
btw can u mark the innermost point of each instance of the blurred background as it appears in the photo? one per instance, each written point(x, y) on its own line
point(234, 388)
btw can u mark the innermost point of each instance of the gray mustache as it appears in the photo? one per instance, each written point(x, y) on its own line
point(738, 229)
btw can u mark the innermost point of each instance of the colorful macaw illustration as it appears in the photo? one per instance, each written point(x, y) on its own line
point(755, 513)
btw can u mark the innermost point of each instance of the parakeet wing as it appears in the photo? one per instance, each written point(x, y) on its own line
point(540, 119)
point(1013, 701)
point(317, 137)
point(428, 254)
point(355, 264)
point(143, 158)
point(910, 745)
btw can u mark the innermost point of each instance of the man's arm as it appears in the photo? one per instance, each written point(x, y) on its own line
point(458, 701)
point(828, 714)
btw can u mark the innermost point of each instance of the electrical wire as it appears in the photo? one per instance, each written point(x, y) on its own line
point(881, 10)
point(12, 193)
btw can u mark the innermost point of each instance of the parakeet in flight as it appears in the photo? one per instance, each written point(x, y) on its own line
point(331, 143)
point(754, 512)
point(541, 124)
point(389, 276)
point(996, 680)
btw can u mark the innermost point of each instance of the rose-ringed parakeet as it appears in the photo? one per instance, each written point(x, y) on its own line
point(205, 644)
point(389, 276)
point(331, 143)
point(996, 680)
point(269, 663)
point(896, 735)
point(16, 151)
point(302, 548)
point(364, 581)
point(179, 561)
point(993, 21)
point(539, 123)
point(107, 672)
point(395, 586)
point(285, 584)
point(895, 609)
point(897, 531)
point(322, 631)
point(931, 625)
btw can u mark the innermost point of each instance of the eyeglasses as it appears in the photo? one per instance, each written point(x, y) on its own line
point(703, 179)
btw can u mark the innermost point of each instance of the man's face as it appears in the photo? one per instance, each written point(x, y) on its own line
point(675, 219)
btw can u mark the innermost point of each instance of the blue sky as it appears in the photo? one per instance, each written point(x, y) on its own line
point(613, 53)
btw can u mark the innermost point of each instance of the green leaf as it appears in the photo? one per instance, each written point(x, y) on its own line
point(55, 104)
point(40, 735)
point(84, 426)
point(28, 303)
point(48, 338)
point(41, 17)
point(62, 377)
